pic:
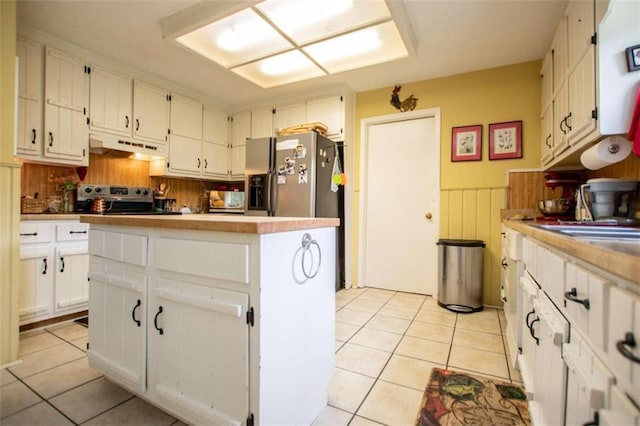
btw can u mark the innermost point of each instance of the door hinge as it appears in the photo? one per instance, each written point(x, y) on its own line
point(88, 121)
point(250, 316)
point(594, 38)
point(594, 113)
point(84, 152)
point(87, 345)
point(273, 111)
point(341, 99)
point(250, 420)
point(169, 98)
point(168, 131)
point(167, 164)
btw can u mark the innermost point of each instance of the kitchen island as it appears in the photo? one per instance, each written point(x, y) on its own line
point(215, 319)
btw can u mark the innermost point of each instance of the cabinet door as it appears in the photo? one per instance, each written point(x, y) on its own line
point(560, 118)
point(36, 282)
point(216, 159)
point(329, 111)
point(71, 278)
point(117, 336)
point(215, 126)
point(559, 48)
point(547, 133)
point(65, 80)
point(110, 102)
point(580, 28)
point(66, 134)
point(210, 381)
point(185, 155)
point(238, 161)
point(289, 115)
point(29, 112)
point(582, 98)
point(260, 124)
point(151, 112)
point(186, 117)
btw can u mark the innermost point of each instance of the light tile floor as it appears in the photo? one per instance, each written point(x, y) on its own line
point(386, 344)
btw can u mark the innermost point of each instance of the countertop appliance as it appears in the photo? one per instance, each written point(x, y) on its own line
point(116, 200)
point(607, 199)
point(226, 202)
point(290, 176)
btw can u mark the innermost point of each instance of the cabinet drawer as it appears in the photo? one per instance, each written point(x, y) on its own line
point(73, 231)
point(586, 303)
point(34, 232)
point(224, 261)
point(513, 244)
point(118, 246)
point(552, 274)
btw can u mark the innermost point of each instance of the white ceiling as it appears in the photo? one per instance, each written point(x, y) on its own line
point(454, 36)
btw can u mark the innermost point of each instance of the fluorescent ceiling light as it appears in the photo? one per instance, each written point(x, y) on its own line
point(275, 42)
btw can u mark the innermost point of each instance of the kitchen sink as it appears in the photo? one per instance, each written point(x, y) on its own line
point(606, 232)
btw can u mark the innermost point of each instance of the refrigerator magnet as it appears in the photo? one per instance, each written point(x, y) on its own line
point(299, 152)
point(303, 176)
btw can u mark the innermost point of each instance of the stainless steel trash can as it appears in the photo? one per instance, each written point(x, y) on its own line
point(460, 275)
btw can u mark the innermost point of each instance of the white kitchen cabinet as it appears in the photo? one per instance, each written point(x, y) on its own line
point(118, 332)
point(216, 148)
point(512, 271)
point(289, 115)
point(150, 112)
point(261, 124)
point(580, 21)
point(241, 130)
point(581, 119)
point(329, 111)
point(207, 321)
point(527, 357)
point(66, 135)
point(185, 158)
point(54, 265)
point(560, 117)
point(29, 142)
point(110, 102)
point(548, 132)
point(185, 117)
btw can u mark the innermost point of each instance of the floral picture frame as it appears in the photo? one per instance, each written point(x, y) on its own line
point(466, 143)
point(505, 140)
point(633, 58)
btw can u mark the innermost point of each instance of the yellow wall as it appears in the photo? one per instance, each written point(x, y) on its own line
point(476, 188)
point(9, 189)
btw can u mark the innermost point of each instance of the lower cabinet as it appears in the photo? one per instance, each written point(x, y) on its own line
point(213, 389)
point(54, 263)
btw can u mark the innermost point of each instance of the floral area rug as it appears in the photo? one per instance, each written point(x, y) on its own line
point(458, 398)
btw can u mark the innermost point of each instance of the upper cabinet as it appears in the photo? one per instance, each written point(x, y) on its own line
point(151, 112)
point(330, 112)
point(592, 92)
point(185, 117)
point(110, 102)
point(260, 124)
point(29, 142)
point(215, 143)
point(289, 115)
point(65, 114)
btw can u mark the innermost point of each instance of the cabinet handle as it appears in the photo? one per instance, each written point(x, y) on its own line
point(531, 331)
point(566, 122)
point(61, 264)
point(50, 139)
point(527, 318)
point(133, 313)
point(504, 263)
point(595, 421)
point(564, 132)
point(572, 296)
point(126, 121)
point(33, 135)
point(205, 163)
point(546, 141)
point(137, 124)
point(155, 321)
point(77, 232)
point(198, 163)
point(629, 341)
point(32, 234)
point(44, 266)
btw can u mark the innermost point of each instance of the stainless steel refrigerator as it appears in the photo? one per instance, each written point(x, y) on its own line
point(291, 176)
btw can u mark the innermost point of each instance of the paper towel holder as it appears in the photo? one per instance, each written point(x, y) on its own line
point(613, 148)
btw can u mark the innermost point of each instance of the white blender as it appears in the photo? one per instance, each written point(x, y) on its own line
point(606, 200)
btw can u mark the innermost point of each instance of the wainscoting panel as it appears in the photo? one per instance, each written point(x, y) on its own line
point(474, 214)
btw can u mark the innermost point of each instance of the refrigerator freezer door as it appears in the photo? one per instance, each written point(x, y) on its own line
point(258, 172)
point(295, 183)
point(258, 155)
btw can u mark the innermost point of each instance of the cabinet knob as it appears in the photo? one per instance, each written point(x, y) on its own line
point(428, 215)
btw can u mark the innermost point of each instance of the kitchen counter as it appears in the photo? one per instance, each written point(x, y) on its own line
point(50, 216)
point(620, 258)
point(202, 222)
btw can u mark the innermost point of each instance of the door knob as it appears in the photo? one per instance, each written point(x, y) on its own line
point(428, 215)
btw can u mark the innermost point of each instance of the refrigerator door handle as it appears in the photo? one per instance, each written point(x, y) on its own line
point(272, 197)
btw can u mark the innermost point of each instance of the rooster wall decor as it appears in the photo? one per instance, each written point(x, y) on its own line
point(407, 105)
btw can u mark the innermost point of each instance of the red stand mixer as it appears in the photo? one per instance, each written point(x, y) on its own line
point(562, 207)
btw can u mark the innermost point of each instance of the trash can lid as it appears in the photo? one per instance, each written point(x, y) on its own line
point(461, 243)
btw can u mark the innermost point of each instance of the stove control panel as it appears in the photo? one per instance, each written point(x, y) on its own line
point(112, 192)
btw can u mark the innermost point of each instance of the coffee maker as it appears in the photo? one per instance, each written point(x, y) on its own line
point(606, 199)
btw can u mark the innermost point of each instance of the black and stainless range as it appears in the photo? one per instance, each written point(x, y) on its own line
point(117, 200)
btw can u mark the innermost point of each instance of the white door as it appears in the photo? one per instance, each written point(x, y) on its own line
point(400, 175)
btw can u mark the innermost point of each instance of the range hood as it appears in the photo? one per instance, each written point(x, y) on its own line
point(100, 143)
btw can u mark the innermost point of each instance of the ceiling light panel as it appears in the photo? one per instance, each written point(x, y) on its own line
point(281, 69)
point(236, 39)
point(373, 45)
point(306, 21)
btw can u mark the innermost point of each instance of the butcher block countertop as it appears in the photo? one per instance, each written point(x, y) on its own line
point(203, 222)
point(50, 216)
point(620, 258)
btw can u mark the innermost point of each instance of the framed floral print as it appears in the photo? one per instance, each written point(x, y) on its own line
point(466, 143)
point(505, 140)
